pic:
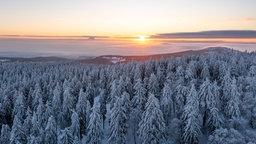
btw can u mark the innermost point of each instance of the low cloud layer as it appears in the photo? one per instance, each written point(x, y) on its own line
point(79, 47)
point(210, 34)
point(251, 19)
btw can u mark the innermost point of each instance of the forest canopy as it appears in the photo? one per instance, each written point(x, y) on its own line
point(193, 99)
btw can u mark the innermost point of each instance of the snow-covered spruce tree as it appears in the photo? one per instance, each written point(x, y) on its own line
point(129, 85)
point(68, 104)
point(205, 95)
point(122, 84)
point(33, 140)
point(126, 102)
point(139, 99)
point(90, 93)
point(137, 103)
point(138, 72)
point(205, 71)
point(115, 92)
point(27, 124)
point(88, 112)
point(103, 102)
point(118, 122)
point(57, 105)
point(190, 117)
point(145, 83)
point(152, 129)
point(81, 106)
point(75, 127)
point(17, 134)
point(1, 113)
point(166, 102)
point(253, 121)
point(75, 86)
point(222, 69)
point(153, 85)
point(6, 108)
point(76, 141)
point(215, 100)
point(170, 78)
point(95, 126)
point(65, 85)
point(5, 134)
point(103, 79)
point(251, 81)
point(65, 137)
point(174, 131)
point(248, 103)
point(180, 97)
point(206, 98)
point(189, 74)
point(19, 109)
point(250, 136)
point(225, 136)
point(180, 72)
point(35, 129)
point(252, 71)
point(160, 74)
point(48, 112)
point(215, 118)
point(149, 68)
point(232, 108)
point(51, 131)
point(37, 94)
point(40, 113)
point(226, 86)
point(234, 67)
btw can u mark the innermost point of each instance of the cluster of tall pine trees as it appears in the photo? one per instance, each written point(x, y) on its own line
point(194, 99)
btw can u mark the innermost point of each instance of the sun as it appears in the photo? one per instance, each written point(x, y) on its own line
point(142, 38)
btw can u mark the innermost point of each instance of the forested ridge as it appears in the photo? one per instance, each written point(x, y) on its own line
point(193, 99)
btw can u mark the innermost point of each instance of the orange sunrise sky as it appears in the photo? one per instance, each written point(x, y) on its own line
point(123, 18)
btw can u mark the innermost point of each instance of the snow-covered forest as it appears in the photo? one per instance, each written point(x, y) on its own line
point(194, 99)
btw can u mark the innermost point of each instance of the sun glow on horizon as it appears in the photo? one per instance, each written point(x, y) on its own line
point(142, 39)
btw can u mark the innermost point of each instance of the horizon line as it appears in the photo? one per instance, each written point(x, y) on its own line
point(196, 34)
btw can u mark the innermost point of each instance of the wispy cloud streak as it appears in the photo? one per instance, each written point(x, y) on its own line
point(210, 34)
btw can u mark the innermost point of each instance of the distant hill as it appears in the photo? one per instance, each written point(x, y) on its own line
point(115, 59)
point(34, 59)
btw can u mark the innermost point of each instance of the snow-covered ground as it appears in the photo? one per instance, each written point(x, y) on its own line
point(4, 60)
point(115, 60)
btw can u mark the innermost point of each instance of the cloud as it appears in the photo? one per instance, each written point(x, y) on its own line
point(245, 19)
point(251, 19)
point(210, 34)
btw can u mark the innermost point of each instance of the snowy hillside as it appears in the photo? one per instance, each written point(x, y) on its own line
point(114, 59)
point(205, 98)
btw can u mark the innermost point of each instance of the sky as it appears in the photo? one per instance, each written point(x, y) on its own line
point(123, 18)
